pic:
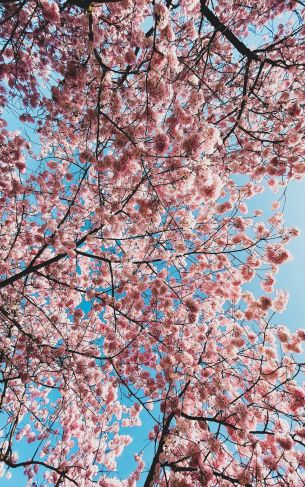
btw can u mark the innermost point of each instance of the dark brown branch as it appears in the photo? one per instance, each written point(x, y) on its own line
point(32, 268)
point(239, 45)
point(165, 430)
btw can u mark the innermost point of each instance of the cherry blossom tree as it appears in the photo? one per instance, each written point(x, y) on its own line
point(129, 239)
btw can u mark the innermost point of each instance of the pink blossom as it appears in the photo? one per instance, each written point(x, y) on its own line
point(276, 254)
point(285, 441)
point(51, 11)
point(191, 143)
point(130, 57)
point(283, 334)
point(280, 302)
point(130, 230)
point(161, 143)
point(161, 15)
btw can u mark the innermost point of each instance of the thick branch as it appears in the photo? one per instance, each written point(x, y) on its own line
point(239, 45)
point(32, 268)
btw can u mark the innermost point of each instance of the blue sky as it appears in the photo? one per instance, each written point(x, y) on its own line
point(292, 274)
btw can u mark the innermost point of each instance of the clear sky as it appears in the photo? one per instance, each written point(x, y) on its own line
point(292, 274)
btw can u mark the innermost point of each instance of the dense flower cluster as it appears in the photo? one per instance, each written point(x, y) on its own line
point(129, 242)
